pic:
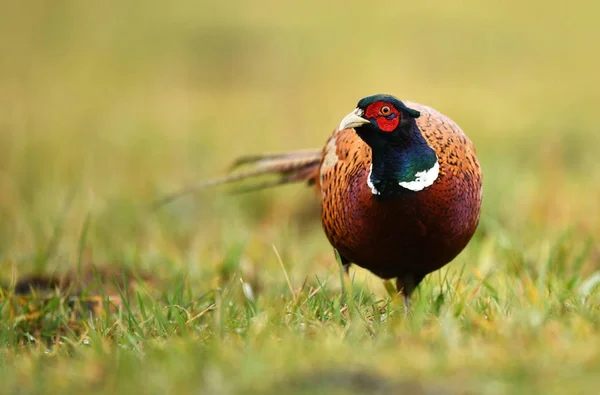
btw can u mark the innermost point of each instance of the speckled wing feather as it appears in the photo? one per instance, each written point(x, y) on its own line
point(454, 149)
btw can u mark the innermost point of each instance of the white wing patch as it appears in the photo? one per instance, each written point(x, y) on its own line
point(423, 179)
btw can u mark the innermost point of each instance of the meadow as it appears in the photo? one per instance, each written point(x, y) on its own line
point(107, 106)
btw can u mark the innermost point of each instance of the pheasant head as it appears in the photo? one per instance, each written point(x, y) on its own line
point(402, 161)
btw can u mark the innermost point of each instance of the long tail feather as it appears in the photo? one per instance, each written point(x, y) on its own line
point(291, 167)
point(288, 156)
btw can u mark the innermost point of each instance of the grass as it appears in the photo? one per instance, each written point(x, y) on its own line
point(105, 107)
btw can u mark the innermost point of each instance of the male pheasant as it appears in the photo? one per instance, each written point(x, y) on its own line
point(400, 188)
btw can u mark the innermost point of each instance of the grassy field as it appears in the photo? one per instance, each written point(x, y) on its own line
point(106, 106)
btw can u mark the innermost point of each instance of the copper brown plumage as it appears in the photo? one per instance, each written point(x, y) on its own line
point(411, 235)
point(400, 188)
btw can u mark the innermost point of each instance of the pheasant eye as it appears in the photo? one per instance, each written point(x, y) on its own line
point(385, 110)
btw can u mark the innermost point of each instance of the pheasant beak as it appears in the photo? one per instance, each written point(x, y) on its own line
point(353, 120)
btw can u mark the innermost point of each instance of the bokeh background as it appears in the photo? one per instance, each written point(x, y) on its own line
point(105, 106)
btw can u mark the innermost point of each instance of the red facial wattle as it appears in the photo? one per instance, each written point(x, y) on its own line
point(387, 120)
point(389, 123)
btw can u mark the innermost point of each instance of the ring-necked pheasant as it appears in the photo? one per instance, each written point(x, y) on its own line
point(400, 188)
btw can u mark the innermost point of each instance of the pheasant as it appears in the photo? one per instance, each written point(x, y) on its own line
point(400, 188)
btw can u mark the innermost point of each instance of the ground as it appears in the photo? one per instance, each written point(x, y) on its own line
point(105, 107)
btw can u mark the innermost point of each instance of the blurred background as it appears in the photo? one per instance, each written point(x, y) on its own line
point(106, 106)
